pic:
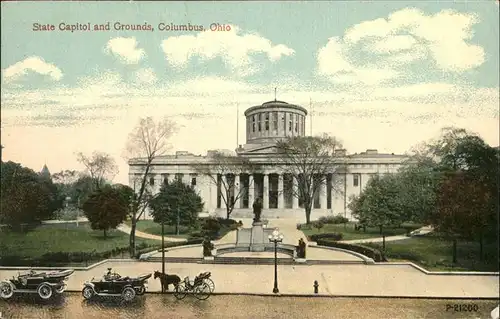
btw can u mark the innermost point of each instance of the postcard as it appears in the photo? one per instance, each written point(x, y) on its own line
point(246, 159)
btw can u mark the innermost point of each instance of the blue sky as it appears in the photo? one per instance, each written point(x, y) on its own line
point(384, 74)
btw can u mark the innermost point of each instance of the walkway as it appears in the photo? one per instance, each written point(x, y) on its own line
point(421, 231)
point(350, 280)
point(126, 229)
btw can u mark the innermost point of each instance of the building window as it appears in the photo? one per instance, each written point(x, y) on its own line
point(296, 118)
point(193, 181)
point(253, 123)
point(165, 179)
point(152, 181)
point(275, 121)
point(355, 180)
point(267, 121)
point(290, 122)
point(179, 177)
point(259, 121)
point(283, 120)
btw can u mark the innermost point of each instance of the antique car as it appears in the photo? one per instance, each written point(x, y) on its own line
point(112, 284)
point(42, 283)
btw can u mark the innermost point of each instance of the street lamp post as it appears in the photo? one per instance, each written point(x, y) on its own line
point(162, 251)
point(276, 237)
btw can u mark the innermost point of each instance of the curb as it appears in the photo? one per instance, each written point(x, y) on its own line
point(305, 295)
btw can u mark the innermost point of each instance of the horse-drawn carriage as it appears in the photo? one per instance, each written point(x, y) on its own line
point(201, 287)
point(43, 283)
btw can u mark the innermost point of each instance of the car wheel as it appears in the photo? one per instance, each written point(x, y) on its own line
point(128, 294)
point(88, 292)
point(44, 291)
point(6, 290)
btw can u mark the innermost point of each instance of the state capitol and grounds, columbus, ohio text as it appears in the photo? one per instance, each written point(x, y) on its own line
point(119, 26)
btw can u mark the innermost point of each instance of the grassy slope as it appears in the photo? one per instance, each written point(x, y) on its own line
point(349, 233)
point(55, 238)
point(435, 253)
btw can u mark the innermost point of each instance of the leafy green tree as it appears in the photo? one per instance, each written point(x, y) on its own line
point(105, 209)
point(176, 199)
point(26, 196)
point(379, 204)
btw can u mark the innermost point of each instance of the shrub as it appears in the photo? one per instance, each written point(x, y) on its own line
point(226, 222)
point(372, 253)
point(337, 219)
point(299, 226)
point(318, 224)
point(211, 227)
point(332, 236)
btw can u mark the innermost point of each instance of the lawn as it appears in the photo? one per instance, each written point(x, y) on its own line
point(435, 253)
point(55, 238)
point(150, 227)
point(349, 233)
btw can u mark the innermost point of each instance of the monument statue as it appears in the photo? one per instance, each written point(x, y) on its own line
point(257, 210)
point(207, 247)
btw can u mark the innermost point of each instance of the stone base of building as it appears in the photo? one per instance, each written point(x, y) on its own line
point(276, 213)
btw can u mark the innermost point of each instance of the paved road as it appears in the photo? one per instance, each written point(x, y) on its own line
point(350, 280)
point(156, 306)
point(165, 306)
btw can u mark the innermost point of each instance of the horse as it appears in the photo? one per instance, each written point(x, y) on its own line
point(166, 279)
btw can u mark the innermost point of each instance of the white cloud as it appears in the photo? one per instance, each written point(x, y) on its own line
point(444, 35)
point(406, 36)
point(125, 49)
point(32, 64)
point(393, 43)
point(146, 76)
point(234, 47)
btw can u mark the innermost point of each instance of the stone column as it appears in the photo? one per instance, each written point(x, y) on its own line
point(251, 190)
point(265, 192)
point(295, 199)
point(322, 195)
point(237, 203)
point(281, 192)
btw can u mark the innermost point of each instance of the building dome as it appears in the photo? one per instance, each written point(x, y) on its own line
point(274, 120)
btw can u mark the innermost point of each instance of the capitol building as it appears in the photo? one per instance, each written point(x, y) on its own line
point(265, 125)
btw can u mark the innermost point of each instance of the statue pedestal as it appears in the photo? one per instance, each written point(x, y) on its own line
point(257, 239)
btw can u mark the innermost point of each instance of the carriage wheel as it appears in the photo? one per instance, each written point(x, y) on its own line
point(44, 291)
point(128, 294)
point(202, 291)
point(210, 284)
point(180, 291)
point(6, 290)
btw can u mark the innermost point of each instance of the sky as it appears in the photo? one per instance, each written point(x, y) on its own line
point(383, 75)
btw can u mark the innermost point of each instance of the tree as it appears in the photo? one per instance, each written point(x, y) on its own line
point(464, 208)
point(105, 209)
point(222, 170)
point(26, 197)
point(380, 204)
point(176, 204)
point(99, 166)
point(147, 141)
point(308, 160)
